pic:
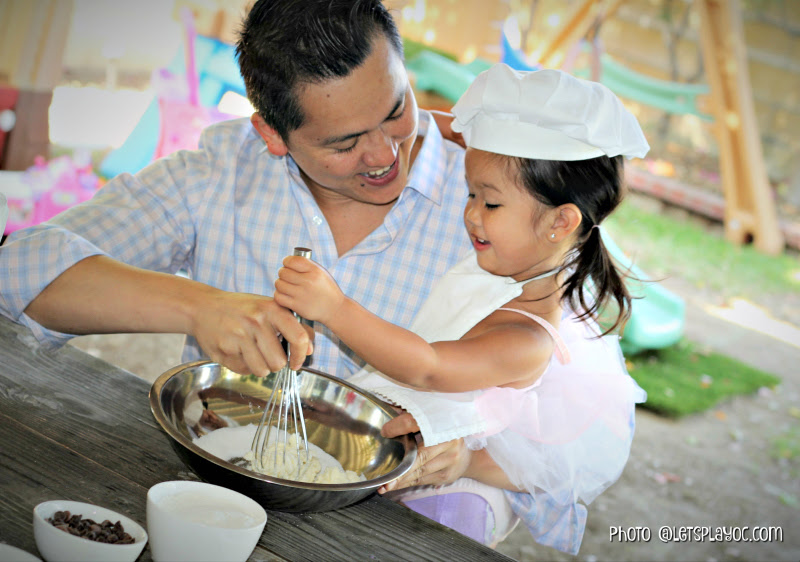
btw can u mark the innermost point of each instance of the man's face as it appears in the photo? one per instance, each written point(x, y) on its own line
point(357, 139)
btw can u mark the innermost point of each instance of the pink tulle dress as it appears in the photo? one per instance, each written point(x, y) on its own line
point(565, 439)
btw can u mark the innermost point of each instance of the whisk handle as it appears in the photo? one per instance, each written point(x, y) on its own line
point(300, 251)
point(306, 253)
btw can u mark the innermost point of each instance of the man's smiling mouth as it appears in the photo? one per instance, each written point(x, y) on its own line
point(378, 174)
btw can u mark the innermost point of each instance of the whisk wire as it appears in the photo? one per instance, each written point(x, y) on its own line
point(299, 409)
point(288, 404)
point(264, 429)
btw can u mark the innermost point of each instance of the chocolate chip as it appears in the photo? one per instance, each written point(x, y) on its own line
point(105, 532)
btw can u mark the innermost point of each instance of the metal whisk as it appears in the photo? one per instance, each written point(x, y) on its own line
point(285, 408)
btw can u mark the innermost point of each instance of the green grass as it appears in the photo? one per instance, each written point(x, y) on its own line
point(664, 246)
point(787, 445)
point(683, 379)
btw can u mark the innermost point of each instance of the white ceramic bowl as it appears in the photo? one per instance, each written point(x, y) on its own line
point(197, 521)
point(54, 544)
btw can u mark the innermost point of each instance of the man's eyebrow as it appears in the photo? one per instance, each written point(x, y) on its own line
point(342, 138)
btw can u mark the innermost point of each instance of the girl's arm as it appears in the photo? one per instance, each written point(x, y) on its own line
point(504, 353)
point(483, 469)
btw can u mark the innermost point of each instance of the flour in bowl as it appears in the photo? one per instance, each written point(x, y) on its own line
point(319, 468)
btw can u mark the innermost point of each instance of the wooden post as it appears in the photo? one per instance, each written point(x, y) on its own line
point(749, 206)
point(589, 15)
point(573, 30)
point(33, 34)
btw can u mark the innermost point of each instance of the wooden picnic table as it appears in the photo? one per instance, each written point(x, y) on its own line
point(74, 427)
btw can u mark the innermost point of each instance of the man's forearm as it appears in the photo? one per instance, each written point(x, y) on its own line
point(101, 295)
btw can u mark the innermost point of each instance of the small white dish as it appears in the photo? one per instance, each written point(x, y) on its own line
point(56, 545)
point(197, 521)
point(10, 553)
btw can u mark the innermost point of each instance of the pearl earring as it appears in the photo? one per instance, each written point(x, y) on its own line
point(552, 235)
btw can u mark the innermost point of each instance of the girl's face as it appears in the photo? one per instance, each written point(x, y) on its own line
point(507, 226)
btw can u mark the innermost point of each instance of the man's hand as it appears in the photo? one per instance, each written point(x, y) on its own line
point(438, 465)
point(308, 289)
point(240, 331)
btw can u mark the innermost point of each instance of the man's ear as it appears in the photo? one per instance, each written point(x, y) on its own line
point(566, 220)
point(275, 143)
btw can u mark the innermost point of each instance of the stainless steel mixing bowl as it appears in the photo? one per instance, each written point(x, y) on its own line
point(195, 398)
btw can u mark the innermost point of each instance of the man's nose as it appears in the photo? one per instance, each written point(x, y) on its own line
point(382, 149)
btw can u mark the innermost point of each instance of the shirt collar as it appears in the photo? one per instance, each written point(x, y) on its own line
point(427, 175)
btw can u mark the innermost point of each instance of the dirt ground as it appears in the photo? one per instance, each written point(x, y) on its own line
point(714, 469)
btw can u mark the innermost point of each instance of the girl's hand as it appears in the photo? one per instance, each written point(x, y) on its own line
point(240, 331)
point(438, 465)
point(308, 289)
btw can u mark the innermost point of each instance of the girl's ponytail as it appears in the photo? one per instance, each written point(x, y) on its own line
point(596, 285)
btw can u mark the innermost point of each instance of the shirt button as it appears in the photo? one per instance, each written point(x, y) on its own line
point(317, 220)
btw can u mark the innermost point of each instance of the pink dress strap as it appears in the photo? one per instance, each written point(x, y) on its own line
point(561, 351)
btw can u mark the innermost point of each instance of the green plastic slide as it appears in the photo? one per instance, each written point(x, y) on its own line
point(657, 315)
point(677, 98)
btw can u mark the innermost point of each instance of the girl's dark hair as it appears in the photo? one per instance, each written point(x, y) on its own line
point(285, 43)
point(595, 187)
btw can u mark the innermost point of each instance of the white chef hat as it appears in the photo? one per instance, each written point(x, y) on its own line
point(547, 115)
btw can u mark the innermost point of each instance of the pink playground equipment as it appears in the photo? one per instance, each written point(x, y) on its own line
point(47, 188)
point(183, 118)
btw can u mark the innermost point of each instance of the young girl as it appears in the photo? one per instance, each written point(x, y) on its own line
point(508, 347)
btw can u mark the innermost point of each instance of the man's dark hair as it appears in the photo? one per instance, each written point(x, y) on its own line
point(286, 43)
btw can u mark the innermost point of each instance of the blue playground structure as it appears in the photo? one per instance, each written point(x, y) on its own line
point(217, 74)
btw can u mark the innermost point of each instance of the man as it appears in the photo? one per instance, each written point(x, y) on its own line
point(336, 158)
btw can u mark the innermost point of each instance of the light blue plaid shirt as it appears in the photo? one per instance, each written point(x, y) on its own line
point(559, 524)
point(228, 214)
